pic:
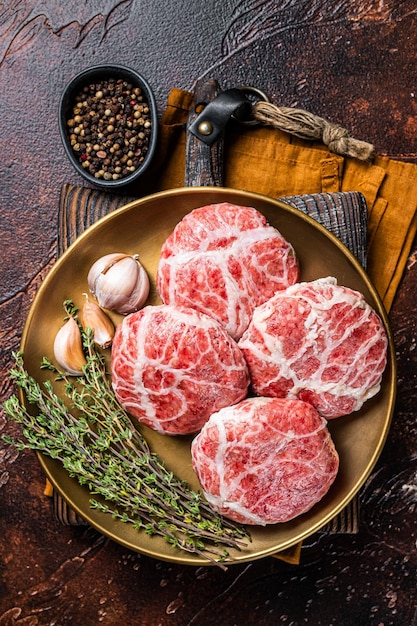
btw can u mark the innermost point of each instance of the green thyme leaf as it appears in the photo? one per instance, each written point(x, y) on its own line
point(98, 445)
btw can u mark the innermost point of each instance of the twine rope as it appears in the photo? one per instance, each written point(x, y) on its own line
point(308, 126)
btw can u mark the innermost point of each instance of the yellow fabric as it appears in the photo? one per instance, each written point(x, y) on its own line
point(271, 162)
point(49, 490)
point(290, 555)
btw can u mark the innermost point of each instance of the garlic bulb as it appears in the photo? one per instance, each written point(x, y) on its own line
point(68, 348)
point(119, 282)
point(92, 316)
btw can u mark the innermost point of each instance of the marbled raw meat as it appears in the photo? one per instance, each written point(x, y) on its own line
point(225, 259)
point(265, 460)
point(174, 366)
point(319, 342)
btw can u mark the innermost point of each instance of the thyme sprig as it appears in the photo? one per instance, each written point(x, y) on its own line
point(98, 445)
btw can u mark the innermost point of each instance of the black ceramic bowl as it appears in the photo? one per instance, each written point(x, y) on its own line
point(108, 161)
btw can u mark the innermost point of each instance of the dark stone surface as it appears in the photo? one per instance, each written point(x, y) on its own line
point(351, 62)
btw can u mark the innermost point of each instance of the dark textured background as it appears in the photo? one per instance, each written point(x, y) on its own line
point(353, 62)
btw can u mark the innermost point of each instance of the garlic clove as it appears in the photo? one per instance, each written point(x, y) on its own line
point(68, 348)
point(135, 295)
point(92, 316)
point(101, 266)
point(119, 282)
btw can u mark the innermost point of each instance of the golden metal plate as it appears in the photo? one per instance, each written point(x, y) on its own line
point(140, 228)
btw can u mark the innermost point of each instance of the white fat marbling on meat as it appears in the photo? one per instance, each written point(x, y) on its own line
point(171, 368)
point(253, 430)
point(234, 307)
point(280, 365)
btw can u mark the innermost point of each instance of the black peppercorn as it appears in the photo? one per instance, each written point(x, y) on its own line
point(110, 128)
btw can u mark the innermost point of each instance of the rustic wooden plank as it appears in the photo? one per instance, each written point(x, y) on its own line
point(79, 208)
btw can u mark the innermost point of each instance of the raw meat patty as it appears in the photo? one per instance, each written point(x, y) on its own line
point(265, 460)
point(224, 259)
point(319, 342)
point(172, 367)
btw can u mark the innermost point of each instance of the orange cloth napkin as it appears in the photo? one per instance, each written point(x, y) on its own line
point(268, 161)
